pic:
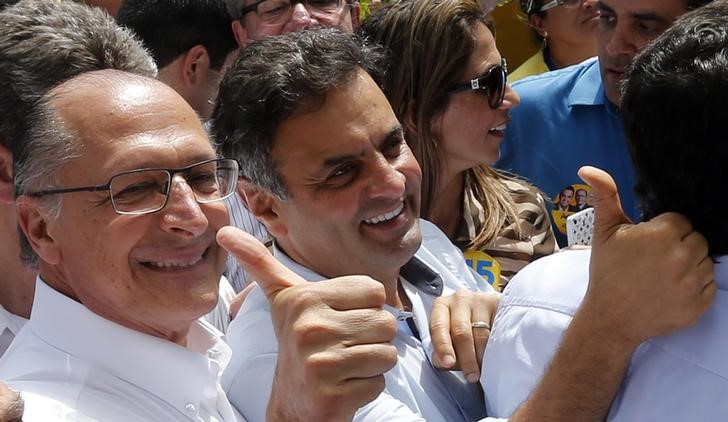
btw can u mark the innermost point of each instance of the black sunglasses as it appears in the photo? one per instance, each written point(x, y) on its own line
point(493, 83)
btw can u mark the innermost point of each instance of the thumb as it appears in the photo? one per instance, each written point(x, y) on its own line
point(608, 212)
point(272, 276)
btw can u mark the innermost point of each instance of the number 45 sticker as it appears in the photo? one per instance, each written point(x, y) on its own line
point(485, 265)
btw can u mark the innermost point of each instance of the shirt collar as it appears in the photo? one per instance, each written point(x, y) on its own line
point(11, 321)
point(143, 360)
point(416, 271)
point(588, 88)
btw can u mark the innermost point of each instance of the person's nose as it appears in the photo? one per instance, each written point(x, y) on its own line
point(386, 181)
point(510, 99)
point(182, 215)
point(300, 18)
point(621, 42)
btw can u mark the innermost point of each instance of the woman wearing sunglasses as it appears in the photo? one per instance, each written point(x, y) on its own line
point(447, 84)
point(565, 28)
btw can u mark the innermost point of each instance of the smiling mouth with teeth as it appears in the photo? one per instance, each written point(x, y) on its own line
point(498, 129)
point(385, 217)
point(173, 264)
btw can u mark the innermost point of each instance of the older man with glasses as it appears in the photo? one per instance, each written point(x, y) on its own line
point(120, 203)
point(254, 19)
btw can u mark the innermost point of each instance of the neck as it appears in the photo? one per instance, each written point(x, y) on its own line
point(566, 54)
point(17, 282)
point(176, 331)
point(446, 212)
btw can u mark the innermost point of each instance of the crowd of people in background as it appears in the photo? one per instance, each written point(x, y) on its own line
point(313, 210)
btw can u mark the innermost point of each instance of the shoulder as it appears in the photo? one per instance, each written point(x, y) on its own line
point(559, 81)
point(557, 281)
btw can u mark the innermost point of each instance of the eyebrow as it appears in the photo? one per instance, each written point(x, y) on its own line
point(394, 133)
point(640, 16)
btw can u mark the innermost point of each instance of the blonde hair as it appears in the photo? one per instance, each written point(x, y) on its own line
point(429, 43)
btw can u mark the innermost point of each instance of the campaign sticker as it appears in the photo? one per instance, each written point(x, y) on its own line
point(485, 265)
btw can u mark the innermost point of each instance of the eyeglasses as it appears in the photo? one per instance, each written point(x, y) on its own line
point(280, 11)
point(493, 84)
point(553, 3)
point(145, 191)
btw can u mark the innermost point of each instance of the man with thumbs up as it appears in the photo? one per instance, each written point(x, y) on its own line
point(334, 181)
point(672, 377)
point(336, 184)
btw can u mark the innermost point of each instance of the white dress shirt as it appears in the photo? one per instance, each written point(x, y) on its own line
point(10, 325)
point(219, 317)
point(415, 391)
point(681, 377)
point(73, 365)
point(242, 218)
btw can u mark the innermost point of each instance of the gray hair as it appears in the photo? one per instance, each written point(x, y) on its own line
point(47, 146)
point(43, 43)
point(274, 79)
point(234, 7)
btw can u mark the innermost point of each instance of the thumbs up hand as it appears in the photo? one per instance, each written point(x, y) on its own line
point(334, 338)
point(647, 279)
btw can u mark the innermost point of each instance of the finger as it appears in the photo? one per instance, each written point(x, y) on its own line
point(706, 272)
point(480, 334)
point(461, 330)
point(362, 361)
point(680, 224)
point(363, 326)
point(608, 212)
point(697, 245)
point(351, 292)
point(271, 275)
point(444, 354)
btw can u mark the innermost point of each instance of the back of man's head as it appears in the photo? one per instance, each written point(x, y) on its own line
point(168, 28)
point(43, 43)
point(276, 78)
point(675, 113)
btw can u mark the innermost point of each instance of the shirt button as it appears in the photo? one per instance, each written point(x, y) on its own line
point(190, 408)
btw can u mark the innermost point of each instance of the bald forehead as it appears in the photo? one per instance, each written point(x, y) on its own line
point(112, 101)
point(105, 86)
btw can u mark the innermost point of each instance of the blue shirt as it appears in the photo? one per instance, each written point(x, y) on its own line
point(680, 377)
point(565, 121)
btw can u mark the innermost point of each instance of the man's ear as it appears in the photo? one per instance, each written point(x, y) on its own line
point(33, 221)
point(241, 34)
point(265, 206)
point(538, 24)
point(6, 175)
point(195, 65)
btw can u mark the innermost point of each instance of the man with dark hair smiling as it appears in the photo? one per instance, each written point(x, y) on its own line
point(675, 104)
